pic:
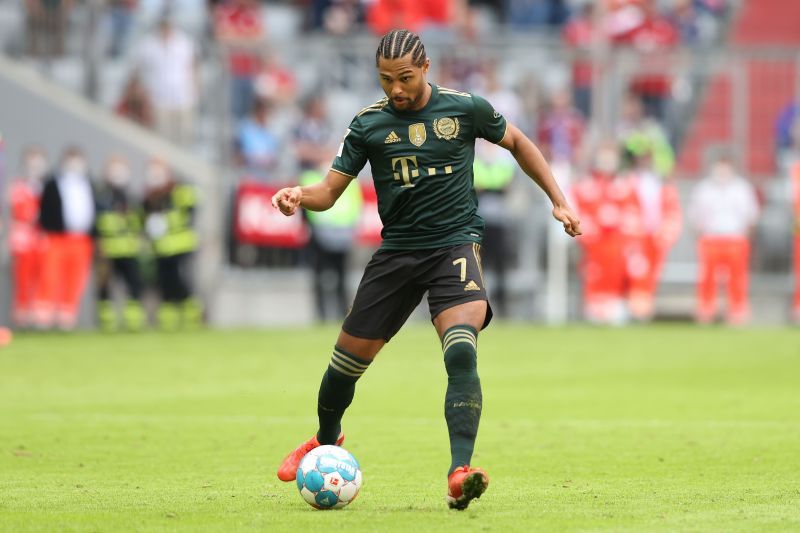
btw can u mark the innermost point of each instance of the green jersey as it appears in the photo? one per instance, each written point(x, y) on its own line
point(421, 164)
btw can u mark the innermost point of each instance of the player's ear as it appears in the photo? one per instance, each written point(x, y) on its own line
point(426, 65)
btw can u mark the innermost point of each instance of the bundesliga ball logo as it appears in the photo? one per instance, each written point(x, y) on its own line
point(329, 477)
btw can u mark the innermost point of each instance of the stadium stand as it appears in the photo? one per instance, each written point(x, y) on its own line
point(724, 87)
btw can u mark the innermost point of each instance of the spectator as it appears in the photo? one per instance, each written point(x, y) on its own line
point(258, 148)
point(561, 129)
point(493, 171)
point(795, 181)
point(169, 208)
point(120, 16)
point(313, 137)
point(274, 81)
point(653, 35)
point(135, 104)
point(383, 15)
point(66, 217)
point(333, 233)
point(239, 29)
point(119, 231)
point(638, 133)
point(24, 238)
point(789, 155)
point(580, 36)
point(723, 212)
point(5, 334)
point(168, 67)
point(783, 125)
point(504, 100)
point(338, 17)
point(47, 22)
point(524, 14)
point(459, 71)
point(609, 211)
point(657, 232)
point(789, 166)
point(685, 19)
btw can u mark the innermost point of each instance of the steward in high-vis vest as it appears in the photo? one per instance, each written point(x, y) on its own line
point(333, 234)
point(118, 229)
point(494, 170)
point(169, 217)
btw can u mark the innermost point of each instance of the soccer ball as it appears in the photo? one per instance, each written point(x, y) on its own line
point(329, 477)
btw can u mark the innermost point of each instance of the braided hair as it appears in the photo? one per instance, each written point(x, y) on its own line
point(398, 43)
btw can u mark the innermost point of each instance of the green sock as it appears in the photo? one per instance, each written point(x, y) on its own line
point(463, 401)
point(336, 393)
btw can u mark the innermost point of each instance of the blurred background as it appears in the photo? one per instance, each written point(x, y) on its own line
point(142, 141)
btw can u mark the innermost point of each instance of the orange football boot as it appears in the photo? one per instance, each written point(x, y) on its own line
point(288, 469)
point(464, 485)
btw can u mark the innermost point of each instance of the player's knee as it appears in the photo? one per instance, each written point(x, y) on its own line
point(459, 344)
point(345, 366)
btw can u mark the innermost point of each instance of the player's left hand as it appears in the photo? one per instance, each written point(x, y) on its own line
point(565, 215)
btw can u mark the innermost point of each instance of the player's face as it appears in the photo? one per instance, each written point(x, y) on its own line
point(404, 83)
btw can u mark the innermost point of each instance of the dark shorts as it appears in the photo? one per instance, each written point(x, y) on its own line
point(395, 281)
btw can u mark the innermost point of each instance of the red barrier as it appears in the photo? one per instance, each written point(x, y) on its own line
point(256, 222)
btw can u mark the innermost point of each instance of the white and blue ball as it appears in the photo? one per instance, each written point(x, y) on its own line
point(329, 477)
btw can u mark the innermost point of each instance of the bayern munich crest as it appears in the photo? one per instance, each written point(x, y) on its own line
point(446, 128)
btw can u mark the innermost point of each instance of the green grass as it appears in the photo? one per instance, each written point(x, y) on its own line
point(658, 428)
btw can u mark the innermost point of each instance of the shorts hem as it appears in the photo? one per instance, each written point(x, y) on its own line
point(366, 336)
point(467, 299)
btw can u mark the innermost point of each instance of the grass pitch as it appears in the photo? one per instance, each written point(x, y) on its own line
point(653, 428)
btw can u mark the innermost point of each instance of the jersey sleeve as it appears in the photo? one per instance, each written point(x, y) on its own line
point(489, 124)
point(352, 155)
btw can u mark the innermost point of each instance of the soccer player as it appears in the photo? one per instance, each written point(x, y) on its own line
point(419, 141)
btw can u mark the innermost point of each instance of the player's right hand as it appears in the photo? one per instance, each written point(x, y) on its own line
point(287, 200)
point(571, 222)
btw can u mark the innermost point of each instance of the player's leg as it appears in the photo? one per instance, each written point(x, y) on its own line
point(458, 329)
point(384, 300)
point(336, 393)
point(351, 358)
point(459, 307)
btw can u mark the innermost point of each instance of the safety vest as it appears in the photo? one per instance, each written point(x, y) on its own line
point(178, 236)
point(642, 140)
point(493, 176)
point(119, 233)
point(345, 212)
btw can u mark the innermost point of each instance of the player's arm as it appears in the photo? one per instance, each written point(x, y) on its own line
point(533, 163)
point(317, 197)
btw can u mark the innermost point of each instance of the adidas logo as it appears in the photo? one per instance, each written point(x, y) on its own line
point(392, 138)
point(472, 286)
